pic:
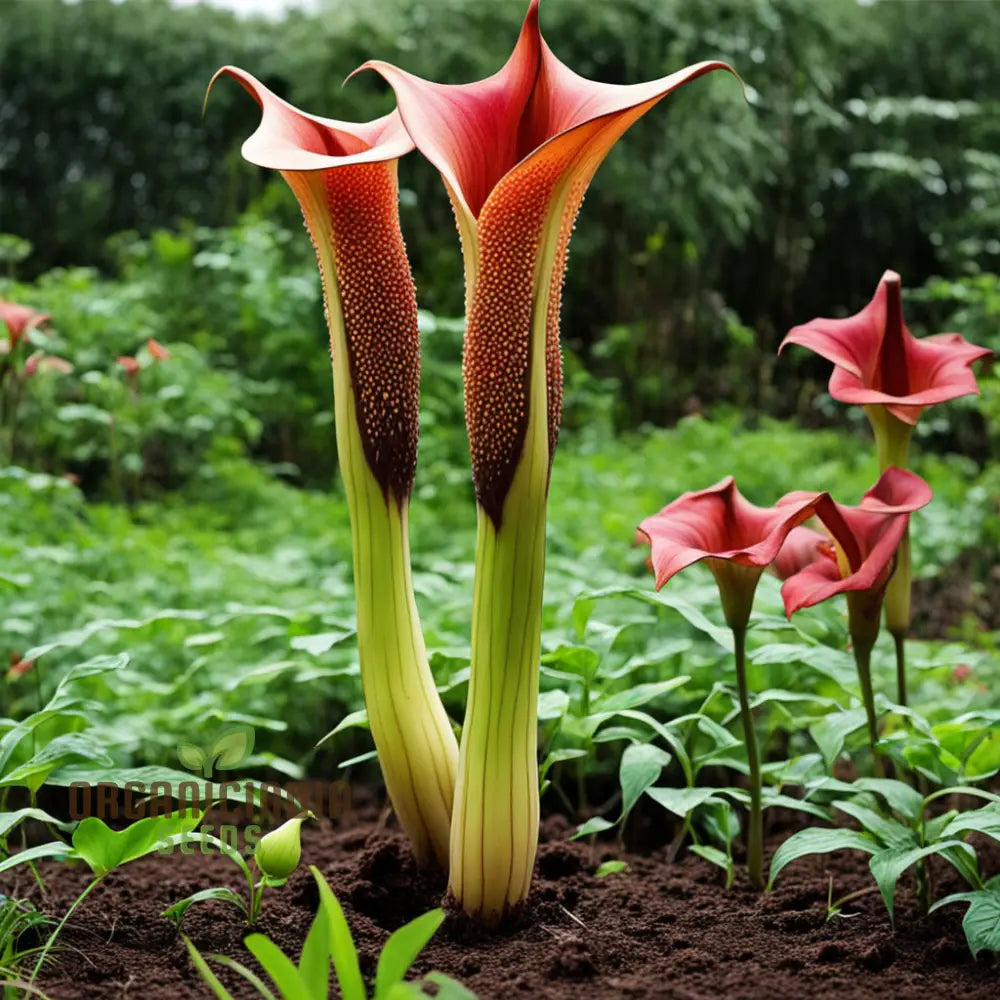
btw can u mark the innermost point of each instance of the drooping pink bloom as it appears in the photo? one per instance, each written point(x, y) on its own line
point(866, 538)
point(879, 362)
point(735, 538)
point(18, 320)
point(156, 350)
point(130, 364)
point(42, 362)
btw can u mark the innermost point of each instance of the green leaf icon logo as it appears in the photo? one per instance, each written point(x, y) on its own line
point(191, 756)
point(232, 747)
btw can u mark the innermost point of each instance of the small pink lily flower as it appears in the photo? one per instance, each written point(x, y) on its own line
point(736, 539)
point(18, 320)
point(156, 350)
point(878, 362)
point(41, 362)
point(130, 364)
point(865, 539)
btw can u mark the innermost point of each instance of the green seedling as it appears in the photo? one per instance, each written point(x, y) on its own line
point(275, 859)
point(898, 832)
point(329, 941)
point(18, 918)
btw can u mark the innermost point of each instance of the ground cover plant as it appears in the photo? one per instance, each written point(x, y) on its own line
point(559, 733)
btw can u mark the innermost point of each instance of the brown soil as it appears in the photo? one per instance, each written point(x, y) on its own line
point(663, 929)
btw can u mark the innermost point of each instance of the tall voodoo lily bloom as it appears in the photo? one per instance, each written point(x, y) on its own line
point(881, 366)
point(860, 563)
point(516, 152)
point(737, 541)
point(344, 177)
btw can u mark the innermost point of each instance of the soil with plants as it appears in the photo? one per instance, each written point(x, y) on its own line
point(662, 928)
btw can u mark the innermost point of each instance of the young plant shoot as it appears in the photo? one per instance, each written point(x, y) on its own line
point(737, 541)
point(344, 177)
point(516, 152)
point(881, 366)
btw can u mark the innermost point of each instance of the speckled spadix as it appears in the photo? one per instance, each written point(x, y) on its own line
point(516, 152)
point(344, 177)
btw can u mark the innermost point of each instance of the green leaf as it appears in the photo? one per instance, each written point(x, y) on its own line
point(53, 849)
point(886, 867)
point(175, 912)
point(278, 966)
point(448, 988)
point(985, 820)
point(353, 720)
point(901, 797)
point(716, 857)
point(321, 642)
point(105, 849)
point(816, 840)
point(33, 773)
point(639, 694)
point(596, 824)
point(206, 973)
point(682, 801)
point(982, 919)
point(888, 832)
point(10, 820)
point(831, 732)
point(314, 962)
point(402, 948)
point(342, 950)
point(641, 765)
point(613, 867)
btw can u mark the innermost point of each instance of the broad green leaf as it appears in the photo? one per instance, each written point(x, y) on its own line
point(985, 820)
point(682, 801)
point(641, 765)
point(342, 950)
point(831, 732)
point(402, 948)
point(552, 705)
point(638, 694)
point(53, 849)
point(982, 919)
point(58, 751)
point(888, 832)
point(175, 912)
point(817, 840)
point(10, 820)
point(314, 962)
point(105, 849)
point(901, 797)
point(886, 867)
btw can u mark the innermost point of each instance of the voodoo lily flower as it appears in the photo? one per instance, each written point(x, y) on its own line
point(516, 152)
point(801, 548)
point(737, 541)
point(881, 366)
point(344, 177)
point(18, 320)
point(863, 556)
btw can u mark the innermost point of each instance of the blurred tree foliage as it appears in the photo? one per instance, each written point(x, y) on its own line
point(868, 140)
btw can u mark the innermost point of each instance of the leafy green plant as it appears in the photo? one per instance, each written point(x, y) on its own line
point(329, 941)
point(275, 858)
point(898, 831)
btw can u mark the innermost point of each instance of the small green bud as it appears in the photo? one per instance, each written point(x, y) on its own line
point(279, 851)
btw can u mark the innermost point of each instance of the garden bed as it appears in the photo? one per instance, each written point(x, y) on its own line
point(661, 929)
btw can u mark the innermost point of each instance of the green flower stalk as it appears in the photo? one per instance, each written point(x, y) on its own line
point(516, 151)
point(344, 177)
point(881, 366)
